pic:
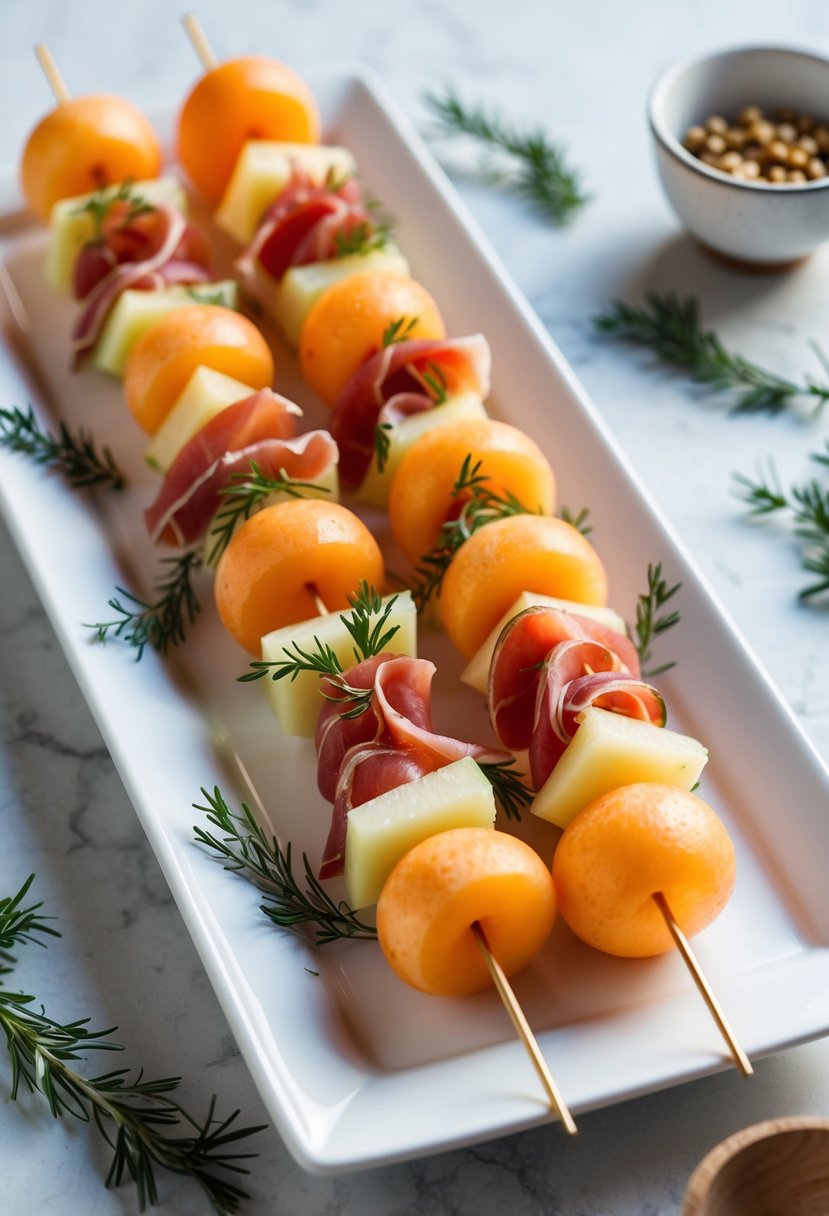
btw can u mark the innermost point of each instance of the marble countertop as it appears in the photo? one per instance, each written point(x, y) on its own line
point(125, 957)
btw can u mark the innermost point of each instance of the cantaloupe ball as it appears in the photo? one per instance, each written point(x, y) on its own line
point(248, 98)
point(86, 143)
point(438, 890)
point(349, 320)
point(420, 499)
point(284, 556)
point(537, 553)
point(626, 846)
point(200, 335)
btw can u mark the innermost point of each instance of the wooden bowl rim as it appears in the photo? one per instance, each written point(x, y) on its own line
point(722, 1153)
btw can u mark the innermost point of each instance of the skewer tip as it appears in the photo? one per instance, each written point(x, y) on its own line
point(198, 39)
point(50, 70)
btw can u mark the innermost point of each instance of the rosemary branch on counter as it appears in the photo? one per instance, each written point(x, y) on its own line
point(672, 328)
point(144, 1126)
point(74, 455)
point(808, 508)
point(537, 169)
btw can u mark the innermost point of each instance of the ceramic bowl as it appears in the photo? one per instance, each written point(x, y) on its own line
point(753, 222)
point(777, 1167)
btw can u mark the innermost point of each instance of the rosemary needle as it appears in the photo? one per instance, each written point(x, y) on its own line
point(538, 170)
point(74, 455)
point(672, 328)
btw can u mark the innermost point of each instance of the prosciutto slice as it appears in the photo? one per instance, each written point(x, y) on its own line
point(390, 744)
point(565, 692)
point(259, 427)
point(393, 384)
point(302, 225)
point(157, 265)
point(518, 662)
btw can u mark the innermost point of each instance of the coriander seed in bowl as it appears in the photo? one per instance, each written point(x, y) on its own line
point(742, 149)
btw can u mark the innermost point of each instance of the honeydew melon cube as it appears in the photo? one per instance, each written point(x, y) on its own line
point(301, 286)
point(205, 395)
point(376, 485)
point(261, 173)
point(476, 672)
point(297, 703)
point(383, 830)
point(326, 487)
point(609, 751)
point(71, 227)
point(134, 312)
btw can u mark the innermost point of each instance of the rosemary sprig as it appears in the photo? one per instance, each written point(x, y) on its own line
point(367, 623)
point(399, 330)
point(649, 624)
point(673, 329)
point(508, 787)
point(206, 294)
point(243, 493)
point(808, 506)
point(137, 1118)
point(577, 519)
point(99, 205)
point(480, 506)
point(538, 170)
point(382, 444)
point(242, 845)
point(163, 622)
point(364, 238)
point(435, 380)
point(73, 455)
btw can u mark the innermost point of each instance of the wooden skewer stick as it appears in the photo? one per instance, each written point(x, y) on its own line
point(50, 71)
point(198, 39)
point(525, 1034)
point(741, 1060)
point(321, 607)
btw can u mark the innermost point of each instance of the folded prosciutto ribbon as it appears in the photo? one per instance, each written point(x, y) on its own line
point(390, 744)
point(399, 381)
point(158, 248)
point(547, 668)
point(260, 428)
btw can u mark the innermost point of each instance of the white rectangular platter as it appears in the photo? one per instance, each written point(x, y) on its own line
point(355, 1068)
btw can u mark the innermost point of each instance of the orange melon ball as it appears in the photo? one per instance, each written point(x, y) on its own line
point(421, 500)
point(438, 890)
point(348, 321)
point(164, 358)
point(84, 144)
point(521, 553)
point(282, 557)
point(626, 846)
point(248, 98)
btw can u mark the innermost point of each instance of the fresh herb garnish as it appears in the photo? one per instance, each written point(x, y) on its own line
point(161, 623)
point(479, 506)
point(243, 846)
point(382, 444)
point(74, 455)
point(399, 330)
point(99, 205)
point(536, 169)
point(210, 295)
point(649, 624)
point(577, 520)
point(673, 329)
point(137, 1118)
point(508, 787)
point(364, 238)
point(435, 380)
point(367, 623)
point(243, 494)
point(808, 506)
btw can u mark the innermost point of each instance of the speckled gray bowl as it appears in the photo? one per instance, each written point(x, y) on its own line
point(753, 222)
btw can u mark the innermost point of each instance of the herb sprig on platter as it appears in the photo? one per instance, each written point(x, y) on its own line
point(160, 623)
point(73, 454)
point(526, 162)
point(145, 1127)
point(243, 846)
point(673, 329)
point(807, 506)
point(651, 622)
